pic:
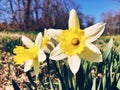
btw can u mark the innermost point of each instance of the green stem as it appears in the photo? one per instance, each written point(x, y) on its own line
point(75, 84)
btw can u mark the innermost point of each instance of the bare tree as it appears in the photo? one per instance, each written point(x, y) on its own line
point(39, 14)
point(89, 20)
point(36, 10)
point(27, 13)
point(13, 13)
point(112, 20)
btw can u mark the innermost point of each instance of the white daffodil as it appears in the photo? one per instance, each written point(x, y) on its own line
point(76, 44)
point(31, 55)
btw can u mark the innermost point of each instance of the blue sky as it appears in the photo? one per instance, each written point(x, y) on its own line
point(96, 7)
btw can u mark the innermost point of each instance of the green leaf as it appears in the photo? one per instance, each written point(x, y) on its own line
point(51, 85)
point(111, 78)
point(99, 85)
point(15, 86)
point(67, 76)
point(40, 78)
point(30, 78)
point(108, 49)
point(60, 86)
point(94, 84)
point(104, 79)
point(118, 49)
point(118, 84)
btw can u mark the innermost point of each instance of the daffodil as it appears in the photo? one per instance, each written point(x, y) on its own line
point(30, 55)
point(47, 44)
point(76, 44)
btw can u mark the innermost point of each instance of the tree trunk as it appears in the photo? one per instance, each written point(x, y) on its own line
point(13, 13)
point(27, 13)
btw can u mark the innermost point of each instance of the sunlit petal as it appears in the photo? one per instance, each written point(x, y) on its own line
point(28, 65)
point(27, 42)
point(73, 20)
point(41, 56)
point(57, 54)
point(91, 53)
point(94, 32)
point(38, 40)
point(54, 33)
point(74, 63)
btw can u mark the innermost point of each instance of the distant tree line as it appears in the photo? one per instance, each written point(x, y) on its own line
point(112, 20)
point(39, 14)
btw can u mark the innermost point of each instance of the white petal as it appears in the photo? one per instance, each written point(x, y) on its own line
point(74, 63)
point(54, 33)
point(73, 20)
point(27, 42)
point(28, 65)
point(41, 56)
point(56, 53)
point(38, 40)
point(91, 53)
point(94, 32)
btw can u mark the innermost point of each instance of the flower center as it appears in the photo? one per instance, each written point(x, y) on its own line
point(72, 41)
point(75, 41)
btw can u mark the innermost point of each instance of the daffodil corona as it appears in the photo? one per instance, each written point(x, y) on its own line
point(75, 44)
point(25, 54)
point(72, 41)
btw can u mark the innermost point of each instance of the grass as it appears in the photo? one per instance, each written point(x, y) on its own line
point(32, 34)
point(14, 34)
point(17, 33)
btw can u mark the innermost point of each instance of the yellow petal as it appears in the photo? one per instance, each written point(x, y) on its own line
point(94, 32)
point(27, 42)
point(91, 53)
point(38, 40)
point(74, 63)
point(55, 33)
point(57, 54)
point(73, 20)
